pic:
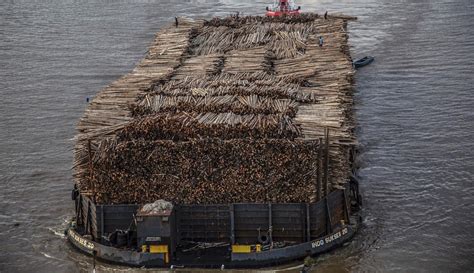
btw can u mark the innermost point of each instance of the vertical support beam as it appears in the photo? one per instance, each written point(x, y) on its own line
point(232, 224)
point(328, 217)
point(326, 165)
point(91, 184)
point(79, 210)
point(89, 219)
point(101, 221)
point(206, 210)
point(346, 207)
point(173, 232)
point(270, 222)
point(87, 224)
point(308, 223)
point(177, 234)
point(353, 159)
point(319, 171)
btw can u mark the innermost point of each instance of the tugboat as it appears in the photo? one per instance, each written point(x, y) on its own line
point(283, 7)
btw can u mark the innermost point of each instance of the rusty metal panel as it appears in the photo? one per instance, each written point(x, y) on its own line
point(336, 208)
point(318, 220)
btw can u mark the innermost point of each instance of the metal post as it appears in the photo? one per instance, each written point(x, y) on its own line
point(270, 222)
point(232, 225)
point(328, 217)
point(346, 207)
point(308, 224)
point(87, 224)
point(101, 221)
point(176, 220)
point(326, 166)
point(94, 253)
point(319, 170)
point(353, 159)
point(79, 210)
point(91, 184)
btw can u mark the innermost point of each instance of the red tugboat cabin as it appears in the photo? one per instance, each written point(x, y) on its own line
point(283, 7)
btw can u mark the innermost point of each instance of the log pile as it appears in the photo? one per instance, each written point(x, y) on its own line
point(244, 84)
point(210, 170)
point(227, 110)
point(200, 66)
point(247, 61)
point(184, 126)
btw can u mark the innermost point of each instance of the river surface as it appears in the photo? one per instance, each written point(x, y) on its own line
point(414, 107)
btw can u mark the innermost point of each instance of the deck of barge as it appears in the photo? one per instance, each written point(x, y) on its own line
point(319, 86)
point(328, 68)
point(244, 126)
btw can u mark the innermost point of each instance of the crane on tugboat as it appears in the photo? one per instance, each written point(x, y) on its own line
point(283, 7)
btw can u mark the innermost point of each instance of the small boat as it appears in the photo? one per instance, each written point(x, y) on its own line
point(283, 7)
point(363, 62)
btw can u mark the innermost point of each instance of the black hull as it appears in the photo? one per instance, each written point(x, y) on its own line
point(237, 260)
point(113, 254)
point(241, 235)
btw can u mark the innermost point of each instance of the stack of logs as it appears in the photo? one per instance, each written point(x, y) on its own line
point(239, 117)
point(206, 171)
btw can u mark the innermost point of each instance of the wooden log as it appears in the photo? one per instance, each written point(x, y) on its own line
point(225, 110)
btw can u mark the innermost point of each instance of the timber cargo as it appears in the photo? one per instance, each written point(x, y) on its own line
point(230, 144)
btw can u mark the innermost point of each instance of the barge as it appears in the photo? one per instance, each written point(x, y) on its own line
point(231, 144)
point(242, 235)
